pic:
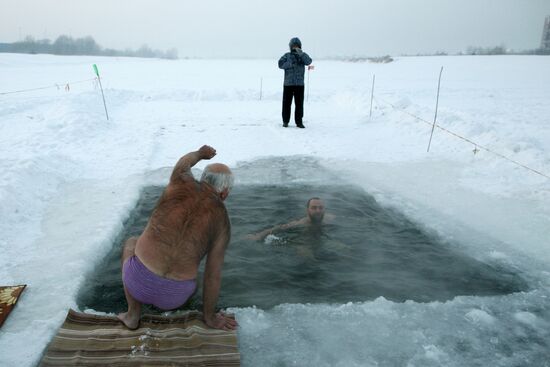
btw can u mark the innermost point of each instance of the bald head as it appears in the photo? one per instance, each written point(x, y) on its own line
point(219, 176)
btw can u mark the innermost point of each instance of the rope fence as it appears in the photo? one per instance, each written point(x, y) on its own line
point(67, 87)
point(56, 86)
point(477, 146)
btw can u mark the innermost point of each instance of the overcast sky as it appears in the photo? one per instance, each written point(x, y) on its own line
point(255, 28)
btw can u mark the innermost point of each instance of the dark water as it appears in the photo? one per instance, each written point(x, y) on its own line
point(367, 252)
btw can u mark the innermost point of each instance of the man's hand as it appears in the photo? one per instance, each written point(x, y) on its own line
point(207, 152)
point(253, 237)
point(220, 321)
point(183, 167)
point(298, 50)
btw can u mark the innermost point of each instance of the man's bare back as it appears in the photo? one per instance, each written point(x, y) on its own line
point(181, 229)
point(189, 222)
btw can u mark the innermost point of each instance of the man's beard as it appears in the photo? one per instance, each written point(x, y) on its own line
point(316, 218)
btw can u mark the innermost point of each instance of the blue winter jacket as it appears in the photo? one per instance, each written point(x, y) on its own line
point(294, 67)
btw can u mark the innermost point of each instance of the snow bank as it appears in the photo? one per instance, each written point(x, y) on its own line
point(69, 178)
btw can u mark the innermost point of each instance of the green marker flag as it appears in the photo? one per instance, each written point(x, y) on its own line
point(101, 87)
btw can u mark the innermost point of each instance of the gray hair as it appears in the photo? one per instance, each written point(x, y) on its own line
point(220, 180)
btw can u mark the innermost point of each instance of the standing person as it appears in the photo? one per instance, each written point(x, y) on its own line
point(293, 63)
point(189, 222)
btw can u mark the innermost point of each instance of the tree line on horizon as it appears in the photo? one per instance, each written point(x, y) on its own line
point(66, 45)
point(488, 51)
point(502, 50)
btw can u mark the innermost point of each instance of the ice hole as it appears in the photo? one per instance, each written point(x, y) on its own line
point(369, 251)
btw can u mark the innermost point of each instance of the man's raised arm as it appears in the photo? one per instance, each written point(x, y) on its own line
point(183, 167)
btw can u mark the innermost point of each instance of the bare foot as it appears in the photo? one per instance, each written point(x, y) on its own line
point(131, 321)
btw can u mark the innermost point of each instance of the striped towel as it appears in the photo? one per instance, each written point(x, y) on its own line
point(183, 340)
point(8, 299)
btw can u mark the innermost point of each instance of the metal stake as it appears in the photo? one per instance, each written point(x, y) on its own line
point(261, 86)
point(436, 105)
point(372, 94)
point(101, 87)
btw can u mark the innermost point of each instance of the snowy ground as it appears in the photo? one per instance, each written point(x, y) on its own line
point(68, 178)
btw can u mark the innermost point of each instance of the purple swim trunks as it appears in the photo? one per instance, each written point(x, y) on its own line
point(152, 289)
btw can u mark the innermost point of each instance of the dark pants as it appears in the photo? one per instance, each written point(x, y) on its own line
point(296, 91)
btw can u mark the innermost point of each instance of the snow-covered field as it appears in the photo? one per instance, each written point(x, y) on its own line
point(68, 178)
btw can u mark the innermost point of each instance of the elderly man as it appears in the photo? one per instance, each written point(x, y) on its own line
point(316, 216)
point(189, 222)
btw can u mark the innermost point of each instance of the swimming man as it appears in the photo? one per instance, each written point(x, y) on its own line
point(189, 222)
point(315, 218)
